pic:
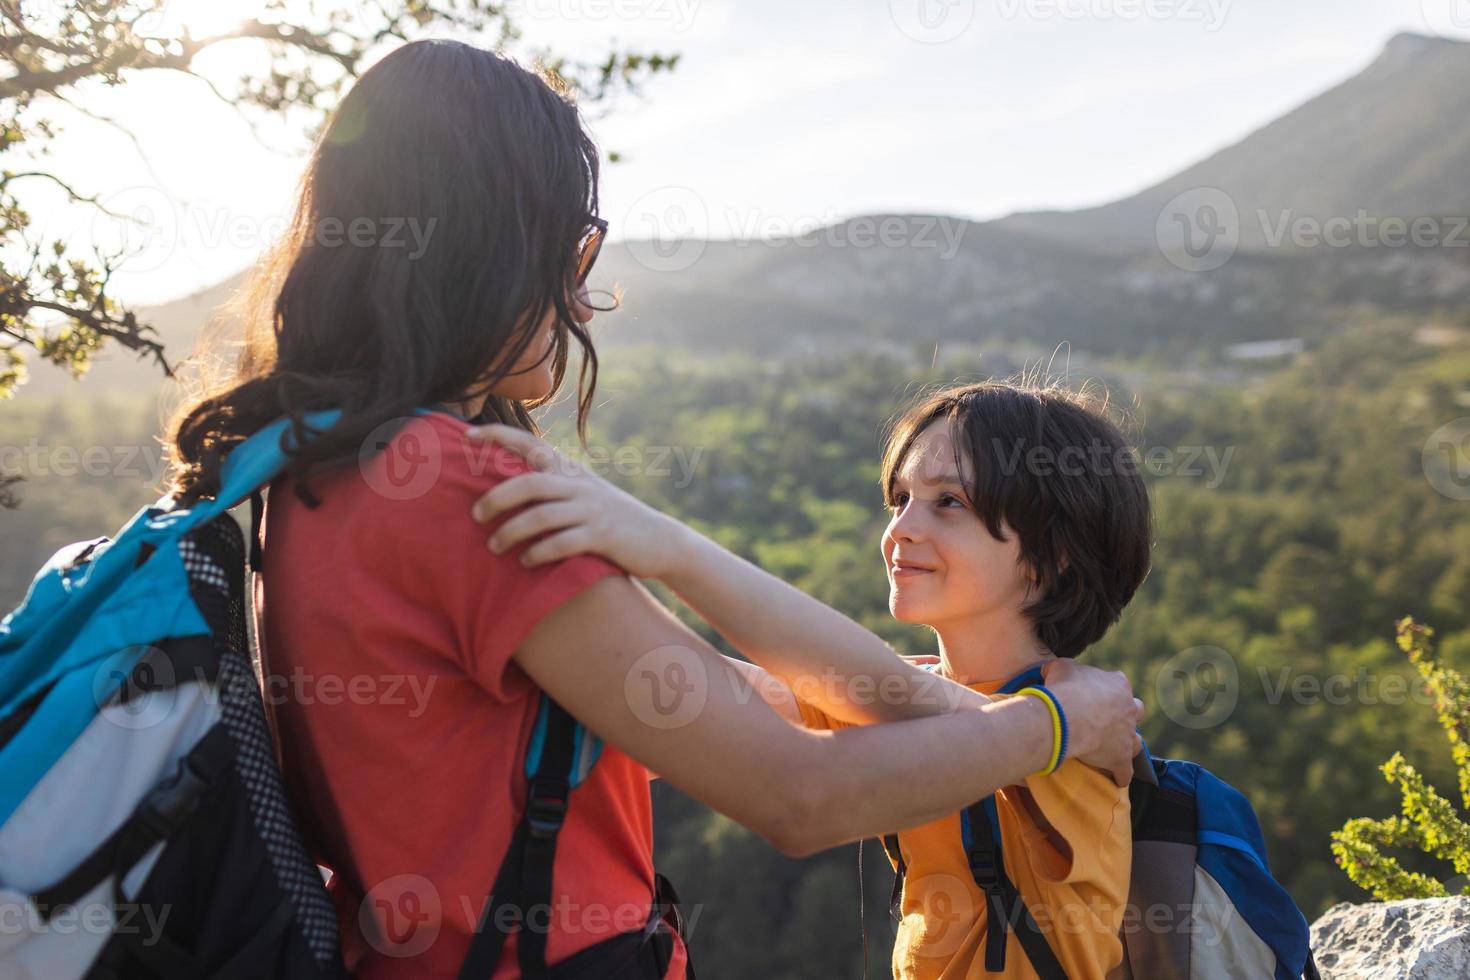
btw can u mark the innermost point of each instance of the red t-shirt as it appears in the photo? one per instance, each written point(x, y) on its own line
point(389, 629)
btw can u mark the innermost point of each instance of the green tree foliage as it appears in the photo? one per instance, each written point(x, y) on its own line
point(1290, 558)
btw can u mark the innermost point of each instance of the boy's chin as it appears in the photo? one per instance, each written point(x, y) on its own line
point(911, 613)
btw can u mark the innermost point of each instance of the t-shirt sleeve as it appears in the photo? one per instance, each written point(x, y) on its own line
point(1077, 824)
point(492, 601)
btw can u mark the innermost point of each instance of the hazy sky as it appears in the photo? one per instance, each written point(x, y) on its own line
point(787, 113)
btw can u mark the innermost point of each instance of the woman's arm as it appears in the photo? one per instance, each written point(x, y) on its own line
point(631, 672)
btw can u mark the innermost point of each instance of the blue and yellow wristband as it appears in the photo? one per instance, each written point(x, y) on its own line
point(1058, 725)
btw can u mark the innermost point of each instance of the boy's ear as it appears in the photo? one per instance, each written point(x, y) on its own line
point(1034, 577)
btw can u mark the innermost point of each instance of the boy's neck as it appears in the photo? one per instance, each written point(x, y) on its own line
point(989, 648)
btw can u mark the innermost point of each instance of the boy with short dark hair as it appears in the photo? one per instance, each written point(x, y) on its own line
point(1020, 530)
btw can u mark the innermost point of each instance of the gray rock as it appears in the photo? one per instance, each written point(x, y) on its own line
point(1424, 939)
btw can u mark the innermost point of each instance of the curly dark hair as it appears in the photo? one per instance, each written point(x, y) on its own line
point(493, 163)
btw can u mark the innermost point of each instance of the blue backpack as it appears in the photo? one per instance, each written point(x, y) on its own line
point(144, 827)
point(1199, 865)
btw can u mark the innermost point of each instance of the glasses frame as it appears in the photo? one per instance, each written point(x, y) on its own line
point(589, 247)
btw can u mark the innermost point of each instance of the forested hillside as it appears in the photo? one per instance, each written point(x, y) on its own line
point(1300, 512)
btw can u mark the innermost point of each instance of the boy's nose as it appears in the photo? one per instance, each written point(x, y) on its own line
point(905, 527)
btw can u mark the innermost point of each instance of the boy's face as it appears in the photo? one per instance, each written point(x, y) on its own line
point(944, 568)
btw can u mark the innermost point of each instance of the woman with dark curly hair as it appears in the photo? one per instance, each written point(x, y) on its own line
point(407, 663)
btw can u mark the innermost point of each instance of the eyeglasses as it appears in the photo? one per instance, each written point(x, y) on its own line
point(589, 246)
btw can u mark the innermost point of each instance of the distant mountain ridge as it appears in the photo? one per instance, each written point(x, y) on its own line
point(1393, 140)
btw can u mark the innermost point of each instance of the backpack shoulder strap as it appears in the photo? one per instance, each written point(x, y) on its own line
point(895, 857)
point(524, 880)
point(1005, 909)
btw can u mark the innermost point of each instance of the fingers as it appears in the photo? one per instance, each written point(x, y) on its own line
point(1123, 769)
point(536, 521)
point(518, 491)
point(532, 448)
point(565, 544)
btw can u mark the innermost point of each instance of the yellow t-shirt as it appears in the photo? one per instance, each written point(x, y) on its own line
point(1068, 848)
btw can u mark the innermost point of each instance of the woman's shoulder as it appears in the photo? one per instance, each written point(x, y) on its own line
point(415, 480)
point(430, 457)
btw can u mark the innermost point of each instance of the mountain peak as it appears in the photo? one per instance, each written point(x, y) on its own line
point(1404, 51)
point(1379, 142)
point(1419, 41)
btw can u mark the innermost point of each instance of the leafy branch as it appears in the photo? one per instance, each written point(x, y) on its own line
point(1428, 822)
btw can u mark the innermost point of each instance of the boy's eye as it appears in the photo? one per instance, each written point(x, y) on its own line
point(949, 498)
point(898, 500)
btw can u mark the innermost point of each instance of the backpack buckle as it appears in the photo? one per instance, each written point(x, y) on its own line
point(545, 815)
point(983, 870)
point(166, 808)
